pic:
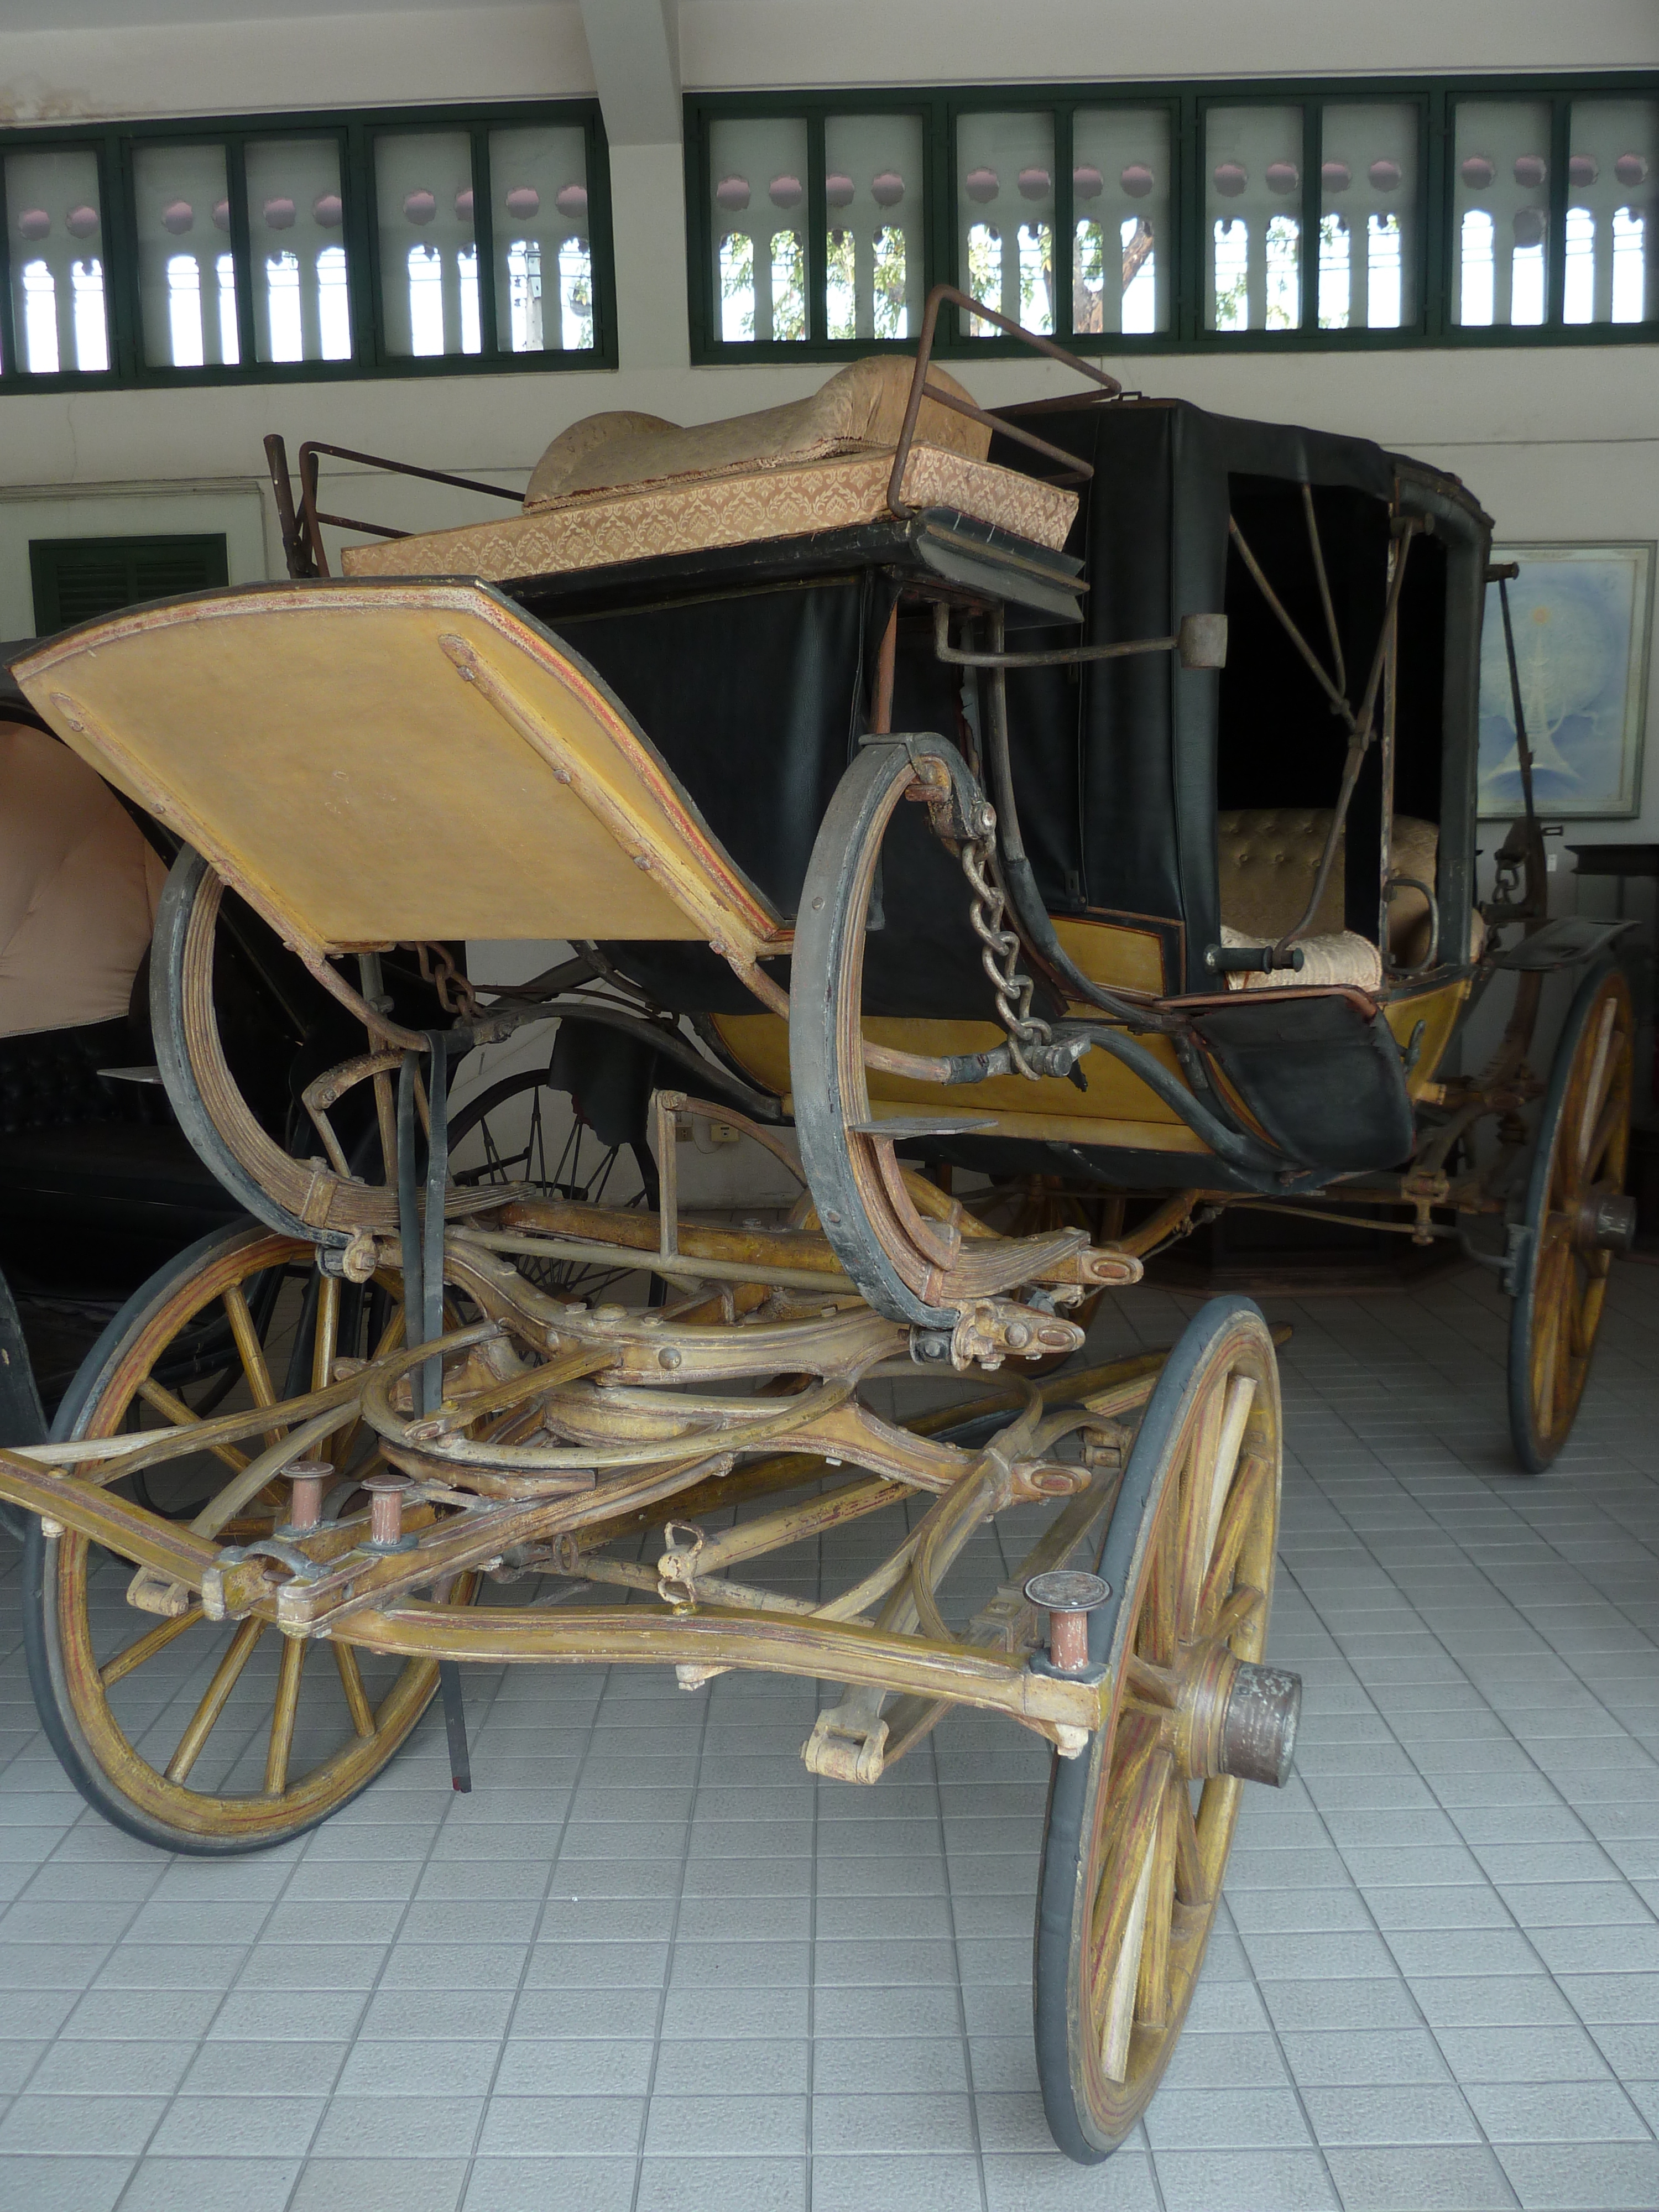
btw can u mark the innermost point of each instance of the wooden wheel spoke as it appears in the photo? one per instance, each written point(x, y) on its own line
point(125, 1663)
point(251, 1352)
point(1548, 1296)
point(1156, 1687)
point(1200, 1478)
point(1246, 1604)
point(1247, 1494)
point(217, 1695)
point(1604, 1064)
point(356, 1698)
point(1191, 1884)
point(1606, 1129)
point(1152, 1981)
point(174, 1409)
point(1241, 1397)
point(1127, 1896)
point(284, 1713)
point(1156, 1637)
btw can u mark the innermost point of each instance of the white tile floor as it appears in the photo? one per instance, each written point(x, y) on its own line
point(650, 1966)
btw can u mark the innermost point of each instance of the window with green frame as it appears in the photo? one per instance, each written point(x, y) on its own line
point(1380, 212)
point(381, 243)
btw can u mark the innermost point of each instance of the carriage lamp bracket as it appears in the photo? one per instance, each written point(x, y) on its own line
point(1199, 641)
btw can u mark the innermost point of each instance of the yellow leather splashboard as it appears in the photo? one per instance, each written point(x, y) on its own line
point(379, 763)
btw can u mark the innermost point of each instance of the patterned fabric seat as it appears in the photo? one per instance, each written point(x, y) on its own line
point(1269, 862)
point(628, 487)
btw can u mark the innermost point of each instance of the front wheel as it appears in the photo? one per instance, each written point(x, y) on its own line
point(198, 1737)
point(1139, 1825)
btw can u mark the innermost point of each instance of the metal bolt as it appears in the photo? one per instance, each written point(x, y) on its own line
point(385, 1506)
point(1018, 1335)
point(309, 1479)
point(1068, 1598)
point(668, 1357)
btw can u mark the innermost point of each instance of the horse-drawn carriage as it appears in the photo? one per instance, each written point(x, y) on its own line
point(1033, 830)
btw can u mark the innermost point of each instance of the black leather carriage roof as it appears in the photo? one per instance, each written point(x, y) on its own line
point(937, 547)
point(1133, 823)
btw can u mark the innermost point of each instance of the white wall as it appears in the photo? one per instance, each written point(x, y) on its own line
point(65, 59)
point(233, 508)
point(57, 66)
point(731, 44)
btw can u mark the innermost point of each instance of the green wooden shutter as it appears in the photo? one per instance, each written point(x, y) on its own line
point(77, 579)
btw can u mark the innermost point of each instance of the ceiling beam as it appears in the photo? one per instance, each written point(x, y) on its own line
point(634, 47)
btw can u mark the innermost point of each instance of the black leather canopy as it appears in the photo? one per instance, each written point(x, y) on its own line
point(755, 684)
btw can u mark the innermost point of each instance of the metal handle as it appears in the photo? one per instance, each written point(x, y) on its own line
point(1080, 470)
point(1416, 884)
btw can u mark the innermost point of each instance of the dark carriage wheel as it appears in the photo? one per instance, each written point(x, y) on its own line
point(201, 1738)
point(1576, 1218)
point(527, 1130)
point(1139, 1825)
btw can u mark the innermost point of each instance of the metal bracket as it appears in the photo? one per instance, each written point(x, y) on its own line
point(846, 1749)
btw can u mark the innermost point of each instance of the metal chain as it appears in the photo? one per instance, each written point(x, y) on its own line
point(455, 994)
point(999, 947)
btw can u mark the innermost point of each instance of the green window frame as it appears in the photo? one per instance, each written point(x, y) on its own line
point(119, 153)
point(1428, 271)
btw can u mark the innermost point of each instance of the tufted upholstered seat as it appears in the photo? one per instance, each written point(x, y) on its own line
point(1268, 859)
point(623, 486)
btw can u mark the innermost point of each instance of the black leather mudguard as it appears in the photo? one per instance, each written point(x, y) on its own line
point(1320, 1071)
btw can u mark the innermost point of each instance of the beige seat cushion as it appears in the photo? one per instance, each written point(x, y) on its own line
point(629, 487)
point(859, 409)
point(1268, 859)
point(1339, 959)
point(735, 506)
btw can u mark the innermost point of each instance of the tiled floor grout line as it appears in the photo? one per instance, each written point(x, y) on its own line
point(86, 1813)
point(1424, 2021)
point(1404, 1749)
point(1427, 1629)
point(929, 1746)
point(174, 1859)
point(707, 1695)
point(372, 1990)
point(541, 1914)
point(812, 1945)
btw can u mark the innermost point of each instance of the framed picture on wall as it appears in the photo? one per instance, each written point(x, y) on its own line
point(1583, 619)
